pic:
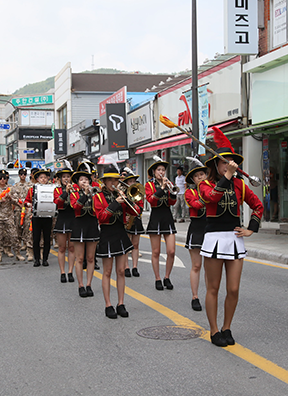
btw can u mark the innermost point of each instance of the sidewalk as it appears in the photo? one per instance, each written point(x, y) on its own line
point(265, 245)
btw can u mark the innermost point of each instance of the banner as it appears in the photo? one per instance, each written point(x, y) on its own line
point(203, 114)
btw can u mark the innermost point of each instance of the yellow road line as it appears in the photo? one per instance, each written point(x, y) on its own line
point(237, 349)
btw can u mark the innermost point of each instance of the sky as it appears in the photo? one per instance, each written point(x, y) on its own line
point(39, 37)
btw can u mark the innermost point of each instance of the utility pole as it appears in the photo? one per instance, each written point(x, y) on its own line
point(195, 111)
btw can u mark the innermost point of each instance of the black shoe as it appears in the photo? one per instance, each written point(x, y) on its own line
point(36, 263)
point(227, 335)
point(89, 291)
point(45, 263)
point(84, 264)
point(121, 310)
point(70, 277)
point(96, 267)
point(82, 292)
point(218, 340)
point(127, 273)
point(167, 283)
point(158, 285)
point(135, 272)
point(196, 306)
point(110, 312)
point(63, 278)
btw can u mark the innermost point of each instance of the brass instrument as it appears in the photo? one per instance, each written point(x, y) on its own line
point(125, 200)
point(95, 190)
point(170, 187)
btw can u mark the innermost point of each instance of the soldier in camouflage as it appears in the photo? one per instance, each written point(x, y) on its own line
point(8, 233)
point(20, 189)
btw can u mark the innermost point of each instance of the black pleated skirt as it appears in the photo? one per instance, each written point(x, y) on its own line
point(195, 233)
point(114, 241)
point(65, 220)
point(85, 229)
point(161, 221)
point(137, 227)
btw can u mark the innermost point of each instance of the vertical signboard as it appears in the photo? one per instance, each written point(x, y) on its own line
point(60, 141)
point(140, 125)
point(241, 27)
point(116, 126)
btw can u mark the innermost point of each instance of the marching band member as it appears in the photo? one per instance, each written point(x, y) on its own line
point(195, 233)
point(223, 242)
point(40, 224)
point(160, 196)
point(134, 228)
point(111, 209)
point(85, 232)
point(64, 223)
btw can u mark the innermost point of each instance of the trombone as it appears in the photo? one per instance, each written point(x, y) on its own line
point(125, 200)
point(135, 192)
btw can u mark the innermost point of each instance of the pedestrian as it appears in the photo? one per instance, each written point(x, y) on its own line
point(111, 206)
point(180, 203)
point(64, 223)
point(160, 195)
point(85, 232)
point(223, 241)
point(195, 233)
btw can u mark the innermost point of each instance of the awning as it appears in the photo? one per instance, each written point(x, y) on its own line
point(107, 159)
point(276, 126)
point(173, 141)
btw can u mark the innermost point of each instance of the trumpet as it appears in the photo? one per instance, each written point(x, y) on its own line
point(170, 187)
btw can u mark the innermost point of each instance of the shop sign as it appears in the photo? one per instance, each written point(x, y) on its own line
point(35, 134)
point(284, 145)
point(241, 27)
point(139, 125)
point(116, 126)
point(60, 141)
point(33, 100)
point(117, 97)
point(279, 22)
point(123, 155)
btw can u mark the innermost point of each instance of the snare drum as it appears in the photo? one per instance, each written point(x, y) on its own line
point(43, 205)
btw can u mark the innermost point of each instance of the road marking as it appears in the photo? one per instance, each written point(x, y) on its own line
point(237, 349)
point(177, 261)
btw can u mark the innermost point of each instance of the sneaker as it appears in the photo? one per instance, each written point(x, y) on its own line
point(218, 340)
point(127, 273)
point(167, 283)
point(227, 335)
point(63, 278)
point(158, 285)
point(135, 272)
point(196, 306)
point(82, 292)
point(89, 291)
point(121, 310)
point(70, 277)
point(110, 312)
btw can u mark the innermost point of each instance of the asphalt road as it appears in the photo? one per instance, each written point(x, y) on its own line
point(55, 343)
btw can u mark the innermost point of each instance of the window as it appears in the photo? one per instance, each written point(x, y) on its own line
point(38, 147)
point(63, 118)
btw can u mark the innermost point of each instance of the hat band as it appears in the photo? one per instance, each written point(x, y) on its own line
point(114, 175)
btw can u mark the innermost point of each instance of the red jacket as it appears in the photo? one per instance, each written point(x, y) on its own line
point(81, 203)
point(195, 203)
point(219, 198)
point(61, 198)
point(156, 197)
point(108, 213)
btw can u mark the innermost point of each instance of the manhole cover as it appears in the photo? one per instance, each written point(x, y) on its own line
point(170, 333)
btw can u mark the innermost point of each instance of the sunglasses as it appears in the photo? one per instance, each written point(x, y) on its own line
point(3, 177)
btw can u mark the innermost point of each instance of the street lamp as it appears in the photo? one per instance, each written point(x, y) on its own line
point(195, 111)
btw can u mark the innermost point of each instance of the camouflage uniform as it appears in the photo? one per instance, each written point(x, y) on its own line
point(8, 233)
point(20, 190)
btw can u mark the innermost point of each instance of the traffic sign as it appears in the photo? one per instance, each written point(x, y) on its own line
point(29, 151)
point(4, 126)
